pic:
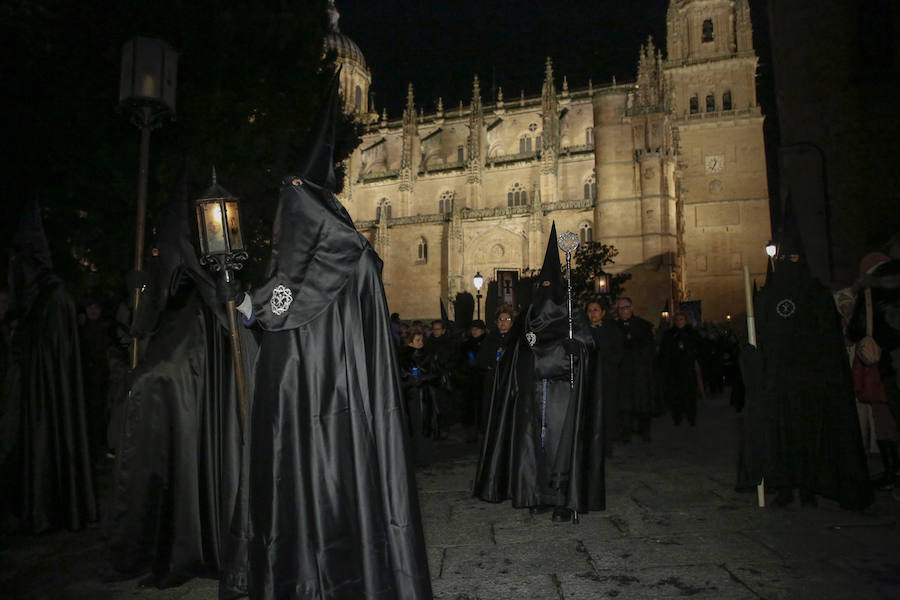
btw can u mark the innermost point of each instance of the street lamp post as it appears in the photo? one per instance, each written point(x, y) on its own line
point(147, 90)
point(478, 281)
point(222, 250)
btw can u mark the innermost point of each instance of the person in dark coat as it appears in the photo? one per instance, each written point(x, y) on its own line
point(636, 378)
point(678, 351)
point(334, 511)
point(442, 347)
point(609, 348)
point(471, 379)
point(95, 338)
point(45, 464)
point(419, 378)
point(807, 392)
point(487, 359)
point(544, 442)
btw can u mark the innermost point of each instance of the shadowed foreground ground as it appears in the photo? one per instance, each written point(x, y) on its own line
point(674, 527)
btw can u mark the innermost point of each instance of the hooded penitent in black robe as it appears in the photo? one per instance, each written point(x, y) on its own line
point(179, 461)
point(333, 505)
point(544, 439)
point(810, 432)
point(44, 455)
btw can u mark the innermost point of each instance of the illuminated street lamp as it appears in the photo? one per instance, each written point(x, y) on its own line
point(147, 91)
point(771, 250)
point(601, 283)
point(478, 281)
point(222, 250)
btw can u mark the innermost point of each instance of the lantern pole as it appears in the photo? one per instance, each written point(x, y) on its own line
point(145, 122)
point(237, 355)
point(568, 242)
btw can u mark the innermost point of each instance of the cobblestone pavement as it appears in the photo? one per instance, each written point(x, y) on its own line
point(674, 527)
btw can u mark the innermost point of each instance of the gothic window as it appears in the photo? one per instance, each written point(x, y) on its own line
point(422, 251)
point(445, 203)
point(384, 207)
point(726, 100)
point(589, 136)
point(695, 104)
point(586, 233)
point(707, 31)
point(537, 144)
point(710, 102)
point(357, 98)
point(460, 156)
point(524, 144)
point(590, 188)
point(516, 196)
point(532, 127)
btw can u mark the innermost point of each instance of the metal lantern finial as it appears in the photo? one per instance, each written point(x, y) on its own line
point(567, 242)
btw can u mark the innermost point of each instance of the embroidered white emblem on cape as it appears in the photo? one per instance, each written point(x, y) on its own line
point(785, 308)
point(281, 299)
point(530, 338)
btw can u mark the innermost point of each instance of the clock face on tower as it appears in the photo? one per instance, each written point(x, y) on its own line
point(714, 163)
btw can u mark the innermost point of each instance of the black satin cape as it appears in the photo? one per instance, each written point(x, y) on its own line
point(333, 505)
point(803, 431)
point(45, 467)
point(178, 508)
point(569, 469)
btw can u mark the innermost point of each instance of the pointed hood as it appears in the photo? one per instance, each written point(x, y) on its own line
point(549, 295)
point(317, 162)
point(788, 238)
point(30, 266)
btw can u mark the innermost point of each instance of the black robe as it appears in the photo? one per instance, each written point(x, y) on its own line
point(44, 451)
point(544, 442)
point(178, 508)
point(45, 466)
point(806, 393)
point(333, 505)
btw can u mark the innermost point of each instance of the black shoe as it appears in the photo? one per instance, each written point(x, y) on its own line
point(539, 509)
point(561, 514)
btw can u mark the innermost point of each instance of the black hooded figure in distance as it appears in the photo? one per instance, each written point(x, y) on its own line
point(45, 465)
point(544, 441)
point(802, 427)
point(334, 511)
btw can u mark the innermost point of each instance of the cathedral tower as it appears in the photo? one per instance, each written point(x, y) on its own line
point(356, 79)
point(710, 73)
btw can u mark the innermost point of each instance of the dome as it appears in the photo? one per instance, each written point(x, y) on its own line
point(346, 49)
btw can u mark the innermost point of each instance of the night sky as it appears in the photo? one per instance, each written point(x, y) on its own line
point(440, 46)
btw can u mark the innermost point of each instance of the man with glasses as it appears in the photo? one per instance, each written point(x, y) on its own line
point(635, 396)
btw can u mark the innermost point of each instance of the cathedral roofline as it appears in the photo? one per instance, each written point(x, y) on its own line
point(510, 106)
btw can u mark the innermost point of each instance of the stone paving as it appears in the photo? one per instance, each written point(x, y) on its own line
point(674, 527)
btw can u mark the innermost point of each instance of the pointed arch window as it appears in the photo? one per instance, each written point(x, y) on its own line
point(460, 154)
point(710, 102)
point(589, 136)
point(590, 188)
point(383, 208)
point(707, 35)
point(516, 196)
point(446, 202)
point(357, 99)
point(726, 100)
point(695, 104)
point(422, 251)
point(586, 233)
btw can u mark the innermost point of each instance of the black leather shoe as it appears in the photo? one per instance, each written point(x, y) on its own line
point(561, 514)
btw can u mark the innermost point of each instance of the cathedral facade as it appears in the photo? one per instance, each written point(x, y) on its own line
point(670, 169)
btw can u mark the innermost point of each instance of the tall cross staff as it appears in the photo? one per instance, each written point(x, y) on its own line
point(568, 242)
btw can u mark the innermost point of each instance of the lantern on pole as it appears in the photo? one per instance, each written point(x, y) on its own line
point(222, 251)
point(478, 281)
point(147, 91)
